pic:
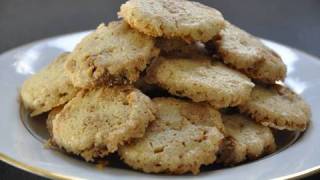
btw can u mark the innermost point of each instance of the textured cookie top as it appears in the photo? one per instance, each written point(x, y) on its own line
point(48, 88)
point(200, 79)
point(245, 139)
point(278, 107)
point(245, 52)
point(113, 54)
point(188, 20)
point(96, 122)
point(183, 137)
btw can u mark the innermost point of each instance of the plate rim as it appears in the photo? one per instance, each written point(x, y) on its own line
point(50, 174)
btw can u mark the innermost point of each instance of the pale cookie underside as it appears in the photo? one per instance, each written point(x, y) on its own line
point(113, 54)
point(278, 107)
point(48, 88)
point(200, 79)
point(245, 52)
point(187, 20)
point(245, 140)
point(180, 140)
point(96, 122)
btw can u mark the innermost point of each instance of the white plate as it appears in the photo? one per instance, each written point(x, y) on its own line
point(24, 150)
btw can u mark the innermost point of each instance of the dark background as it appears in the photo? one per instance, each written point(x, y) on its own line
point(292, 22)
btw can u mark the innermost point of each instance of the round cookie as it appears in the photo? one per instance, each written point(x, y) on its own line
point(183, 137)
point(200, 79)
point(96, 122)
point(113, 54)
point(183, 19)
point(277, 107)
point(245, 139)
point(248, 54)
point(48, 88)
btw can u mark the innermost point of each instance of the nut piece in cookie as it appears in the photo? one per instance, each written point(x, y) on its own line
point(245, 139)
point(278, 107)
point(96, 122)
point(248, 54)
point(48, 88)
point(183, 137)
point(183, 19)
point(112, 54)
point(200, 79)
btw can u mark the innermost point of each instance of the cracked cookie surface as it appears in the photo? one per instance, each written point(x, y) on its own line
point(248, 54)
point(278, 107)
point(191, 21)
point(244, 140)
point(200, 79)
point(112, 54)
point(184, 136)
point(96, 122)
point(48, 88)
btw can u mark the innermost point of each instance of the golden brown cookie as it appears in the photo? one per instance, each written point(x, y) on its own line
point(183, 19)
point(245, 139)
point(200, 79)
point(278, 107)
point(113, 54)
point(48, 88)
point(183, 137)
point(96, 122)
point(248, 54)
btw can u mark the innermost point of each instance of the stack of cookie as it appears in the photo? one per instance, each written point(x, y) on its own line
point(104, 96)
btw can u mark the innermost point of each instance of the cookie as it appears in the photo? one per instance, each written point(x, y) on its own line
point(48, 88)
point(248, 54)
point(180, 48)
point(183, 137)
point(96, 122)
point(200, 79)
point(52, 114)
point(183, 19)
point(244, 140)
point(278, 107)
point(113, 54)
